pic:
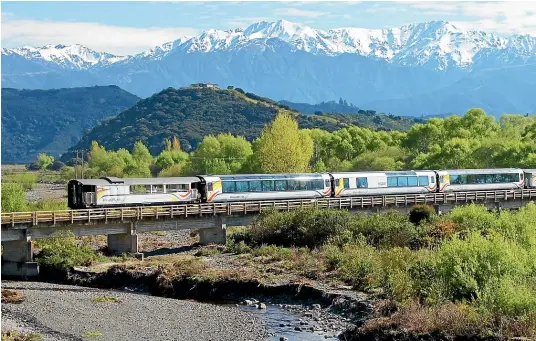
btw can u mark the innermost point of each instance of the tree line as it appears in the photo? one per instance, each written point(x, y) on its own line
point(474, 140)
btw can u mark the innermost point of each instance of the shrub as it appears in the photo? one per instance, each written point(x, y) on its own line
point(13, 198)
point(56, 165)
point(420, 212)
point(303, 227)
point(63, 251)
point(389, 229)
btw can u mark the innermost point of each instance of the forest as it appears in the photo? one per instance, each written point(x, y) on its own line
point(474, 140)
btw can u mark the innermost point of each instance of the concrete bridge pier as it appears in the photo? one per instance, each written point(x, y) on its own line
point(215, 235)
point(17, 259)
point(125, 243)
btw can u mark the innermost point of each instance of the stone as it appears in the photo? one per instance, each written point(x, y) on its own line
point(298, 328)
point(317, 306)
point(261, 306)
point(282, 338)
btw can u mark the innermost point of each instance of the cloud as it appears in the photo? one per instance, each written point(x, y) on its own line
point(512, 17)
point(296, 12)
point(119, 40)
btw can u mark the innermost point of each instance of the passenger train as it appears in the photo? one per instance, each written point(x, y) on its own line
point(112, 191)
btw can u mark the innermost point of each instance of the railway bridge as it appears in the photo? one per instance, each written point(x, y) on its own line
point(122, 224)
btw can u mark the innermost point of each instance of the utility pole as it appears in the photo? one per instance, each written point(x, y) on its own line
point(75, 165)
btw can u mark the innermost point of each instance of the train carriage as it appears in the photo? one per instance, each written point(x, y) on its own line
point(258, 187)
point(459, 180)
point(112, 191)
point(383, 183)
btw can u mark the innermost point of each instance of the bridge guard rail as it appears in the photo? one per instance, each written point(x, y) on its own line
point(103, 215)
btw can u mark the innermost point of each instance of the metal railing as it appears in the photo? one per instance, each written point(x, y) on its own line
point(104, 215)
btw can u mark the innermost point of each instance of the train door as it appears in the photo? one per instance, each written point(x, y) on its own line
point(443, 180)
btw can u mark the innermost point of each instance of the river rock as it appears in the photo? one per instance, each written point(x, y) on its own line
point(261, 306)
point(317, 306)
point(282, 338)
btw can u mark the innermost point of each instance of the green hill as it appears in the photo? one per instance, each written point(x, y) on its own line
point(192, 113)
point(52, 121)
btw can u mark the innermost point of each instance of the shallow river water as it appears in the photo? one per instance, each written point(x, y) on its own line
point(274, 316)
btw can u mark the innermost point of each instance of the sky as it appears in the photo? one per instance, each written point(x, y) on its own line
point(129, 27)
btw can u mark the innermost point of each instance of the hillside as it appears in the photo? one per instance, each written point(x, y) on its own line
point(52, 121)
point(192, 113)
point(331, 106)
point(416, 69)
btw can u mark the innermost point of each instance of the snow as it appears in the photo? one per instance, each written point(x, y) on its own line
point(436, 42)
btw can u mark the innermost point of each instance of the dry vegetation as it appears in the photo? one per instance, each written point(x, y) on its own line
point(12, 296)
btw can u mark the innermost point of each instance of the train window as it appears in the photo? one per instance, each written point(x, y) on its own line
point(423, 181)
point(392, 181)
point(454, 179)
point(402, 181)
point(157, 189)
point(255, 186)
point(267, 186)
point(480, 179)
point(471, 179)
point(319, 184)
point(327, 183)
point(177, 188)
point(346, 182)
point(228, 187)
point(280, 185)
point(304, 185)
point(361, 182)
point(412, 181)
point(138, 189)
point(432, 180)
point(242, 186)
point(293, 185)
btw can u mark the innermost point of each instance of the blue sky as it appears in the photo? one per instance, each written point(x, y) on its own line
point(124, 27)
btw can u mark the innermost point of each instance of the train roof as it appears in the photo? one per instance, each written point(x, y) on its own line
point(269, 176)
point(483, 171)
point(417, 172)
point(138, 181)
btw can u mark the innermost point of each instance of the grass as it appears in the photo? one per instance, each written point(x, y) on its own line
point(12, 296)
point(92, 334)
point(105, 299)
point(27, 180)
point(158, 233)
point(13, 335)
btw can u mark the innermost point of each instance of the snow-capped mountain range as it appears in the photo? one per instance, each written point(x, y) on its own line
point(430, 56)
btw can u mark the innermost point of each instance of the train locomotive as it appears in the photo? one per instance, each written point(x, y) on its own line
point(116, 192)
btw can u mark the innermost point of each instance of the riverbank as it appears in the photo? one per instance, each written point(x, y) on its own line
point(65, 312)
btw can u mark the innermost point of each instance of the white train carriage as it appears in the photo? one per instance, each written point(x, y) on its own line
point(383, 183)
point(460, 180)
point(112, 191)
point(530, 178)
point(258, 187)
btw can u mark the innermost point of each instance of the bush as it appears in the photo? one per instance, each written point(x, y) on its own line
point(56, 165)
point(63, 251)
point(389, 229)
point(303, 227)
point(420, 212)
point(13, 198)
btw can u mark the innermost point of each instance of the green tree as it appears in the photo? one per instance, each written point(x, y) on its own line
point(282, 147)
point(221, 154)
point(44, 161)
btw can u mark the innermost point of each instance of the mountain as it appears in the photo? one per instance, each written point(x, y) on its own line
point(415, 63)
point(51, 121)
point(192, 113)
point(340, 107)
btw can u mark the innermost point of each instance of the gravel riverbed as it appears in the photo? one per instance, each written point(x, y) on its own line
point(64, 312)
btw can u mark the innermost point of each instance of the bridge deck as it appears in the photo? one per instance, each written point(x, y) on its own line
point(119, 214)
